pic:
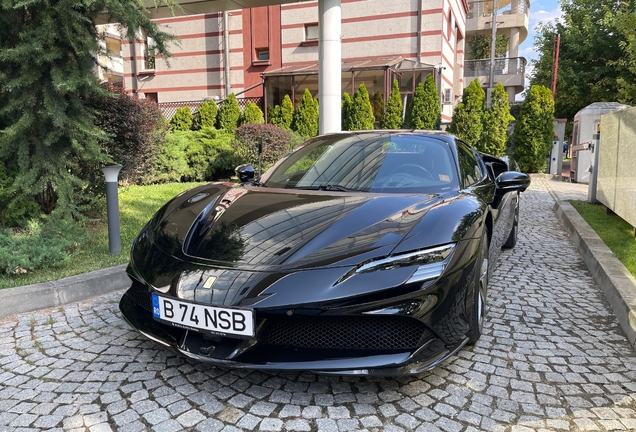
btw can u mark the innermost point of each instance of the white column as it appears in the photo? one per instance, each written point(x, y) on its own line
point(329, 65)
point(513, 44)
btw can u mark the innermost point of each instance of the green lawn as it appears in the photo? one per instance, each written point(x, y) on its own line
point(617, 234)
point(136, 205)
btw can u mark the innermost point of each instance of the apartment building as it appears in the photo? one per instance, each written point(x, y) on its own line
point(110, 63)
point(273, 50)
point(511, 22)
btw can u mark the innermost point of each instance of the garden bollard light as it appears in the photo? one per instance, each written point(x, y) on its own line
point(112, 208)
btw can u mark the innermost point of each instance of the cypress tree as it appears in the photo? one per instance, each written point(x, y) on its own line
point(206, 115)
point(361, 112)
point(181, 120)
point(424, 110)
point(467, 124)
point(393, 114)
point(251, 114)
point(305, 120)
point(534, 129)
point(229, 114)
point(287, 113)
point(346, 111)
point(495, 123)
point(378, 106)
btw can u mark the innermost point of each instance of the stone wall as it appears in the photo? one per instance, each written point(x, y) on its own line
point(616, 187)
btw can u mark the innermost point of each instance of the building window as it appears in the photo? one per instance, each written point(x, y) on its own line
point(151, 97)
point(262, 54)
point(311, 32)
point(149, 54)
point(447, 97)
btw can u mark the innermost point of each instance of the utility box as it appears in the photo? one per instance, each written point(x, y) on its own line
point(586, 124)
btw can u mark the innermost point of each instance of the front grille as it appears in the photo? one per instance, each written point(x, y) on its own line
point(349, 332)
point(140, 295)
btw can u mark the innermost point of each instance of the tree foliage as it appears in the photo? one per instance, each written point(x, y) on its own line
point(467, 123)
point(596, 63)
point(47, 62)
point(424, 111)
point(206, 115)
point(392, 118)
point(361, 112)
point(305, 120)
point(251, 114)
point(135, 133)
point(495, 123)
point(229, 114)
point(182, 119)
point(533, 133)
point(346, 104)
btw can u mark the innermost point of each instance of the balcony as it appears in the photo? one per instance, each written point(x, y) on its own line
point(510, 14)
point(509, 71)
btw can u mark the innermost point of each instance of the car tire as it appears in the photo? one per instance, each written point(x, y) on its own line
point(480, 292)
point(511, 241)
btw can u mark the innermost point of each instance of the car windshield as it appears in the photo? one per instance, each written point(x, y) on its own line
point(373, 162)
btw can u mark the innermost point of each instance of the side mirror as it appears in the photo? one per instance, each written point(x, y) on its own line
point(511, 181)
point(245, 172)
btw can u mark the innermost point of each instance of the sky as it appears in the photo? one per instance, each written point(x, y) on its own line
point(540, 11)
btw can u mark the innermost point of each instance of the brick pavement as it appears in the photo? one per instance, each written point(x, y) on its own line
point(552, 358)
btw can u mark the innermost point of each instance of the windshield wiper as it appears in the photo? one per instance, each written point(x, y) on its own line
point(257, 183)
point(329, 187)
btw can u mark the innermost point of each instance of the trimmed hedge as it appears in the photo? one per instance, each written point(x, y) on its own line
point(276, 143)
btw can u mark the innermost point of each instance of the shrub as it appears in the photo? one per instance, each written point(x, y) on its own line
point(466, 122)
point(135, 134)
point(42, 243)
point(171, 163)
point(296, 139)
point(229, 114)
point(346, 104)
point(378, 106)
point(181, 120)
point(15, 208)
point(206, 115)
point(533, 132)
point(251, 114)
point(495, 123)
point(361, 113)
point(393, 115)
point(305, 120)
point(276, 143)
point(424, 110)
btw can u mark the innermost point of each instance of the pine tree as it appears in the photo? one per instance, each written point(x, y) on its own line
point(206, 115)
point(229, 114)
point(251, 114)
point(393, 114)
point(495, 123)
point(305, 120)
point(361, 112)
point(47, 63)
point(467, 124)
point(424, 110)
point(346, 112)
point(534, 129)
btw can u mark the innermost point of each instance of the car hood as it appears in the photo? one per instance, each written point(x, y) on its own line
point(264, 229)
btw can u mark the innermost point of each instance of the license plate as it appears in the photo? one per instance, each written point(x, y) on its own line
point(239, 322)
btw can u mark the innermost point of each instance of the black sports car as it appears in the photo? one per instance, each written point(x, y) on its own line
point(361, 253)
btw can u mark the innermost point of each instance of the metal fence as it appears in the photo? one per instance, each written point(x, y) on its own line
point(503, 66)
point(484, 8)
point(170, 108)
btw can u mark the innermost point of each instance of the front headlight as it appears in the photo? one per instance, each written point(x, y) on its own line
point(431, 263)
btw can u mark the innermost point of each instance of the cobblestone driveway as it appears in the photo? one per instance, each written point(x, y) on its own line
point(553, 358)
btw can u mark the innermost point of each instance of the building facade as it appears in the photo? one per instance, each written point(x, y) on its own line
point(269, 40)
point(511, 22)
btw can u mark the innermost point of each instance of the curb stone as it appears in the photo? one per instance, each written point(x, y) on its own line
point(616, 282)
point(72, 289)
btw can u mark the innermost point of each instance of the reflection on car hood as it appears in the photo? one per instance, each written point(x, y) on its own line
point(257, 228)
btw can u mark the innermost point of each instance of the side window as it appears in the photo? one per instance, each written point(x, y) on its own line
point(469, 167)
